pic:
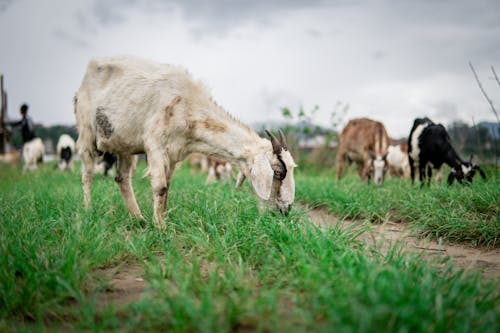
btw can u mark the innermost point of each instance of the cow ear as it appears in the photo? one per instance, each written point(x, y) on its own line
point(261, 177)
point(451, 177)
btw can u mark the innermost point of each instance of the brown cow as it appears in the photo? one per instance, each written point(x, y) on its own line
point(365, 142)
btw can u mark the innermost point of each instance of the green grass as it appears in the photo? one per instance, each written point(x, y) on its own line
point(220, 265)
point(469, 214)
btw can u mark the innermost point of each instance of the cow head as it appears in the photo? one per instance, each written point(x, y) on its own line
point(271, 175)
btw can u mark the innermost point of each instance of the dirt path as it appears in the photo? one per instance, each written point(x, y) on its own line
point(382, 236)
point(126, 285)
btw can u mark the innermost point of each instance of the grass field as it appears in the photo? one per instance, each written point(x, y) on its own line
point(221, 266)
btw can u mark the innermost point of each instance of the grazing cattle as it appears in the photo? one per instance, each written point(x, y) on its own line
point(127, 106)
point(65, 152)
point(219, 170)
point(397, 159)
point(364, 141)
point(431, 148)
point(33, 152)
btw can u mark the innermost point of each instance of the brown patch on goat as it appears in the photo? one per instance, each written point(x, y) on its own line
point(169, 109)
point(104, 126)
point(212, 125)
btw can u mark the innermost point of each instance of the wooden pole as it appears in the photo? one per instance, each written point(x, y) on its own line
point(3, 111)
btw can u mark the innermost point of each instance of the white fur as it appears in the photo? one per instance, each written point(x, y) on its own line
point(398, 160)
point(466, 169)
point(159, 110)
point(33, 152)
point(378, 172)
point(415, 150)
point(65, 141)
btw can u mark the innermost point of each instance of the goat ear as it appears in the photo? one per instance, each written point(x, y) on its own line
point(451, 177)
point(261, 177)
point(240, 179)
point(481, 172)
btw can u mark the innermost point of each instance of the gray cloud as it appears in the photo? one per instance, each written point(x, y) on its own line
point(67, 37)
point(4, 4)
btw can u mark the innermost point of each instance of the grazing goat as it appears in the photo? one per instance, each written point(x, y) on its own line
point(127, 106)
point(364, 141)
point(200, 160)
point(33, 152)
point(219, 170)
point(65, 151)
point(12, 157)
point(431, 148)
point(413, 144)
point(397, 159)
point(104, 163)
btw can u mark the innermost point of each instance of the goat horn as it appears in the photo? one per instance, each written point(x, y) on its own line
point(283, 140)
point(276, 144)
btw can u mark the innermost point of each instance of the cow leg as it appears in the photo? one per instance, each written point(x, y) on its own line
point(124, 181)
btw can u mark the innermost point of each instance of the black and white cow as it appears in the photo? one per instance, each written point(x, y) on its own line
point(429, 147)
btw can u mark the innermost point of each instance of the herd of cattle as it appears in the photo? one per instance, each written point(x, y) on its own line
point(128, 106)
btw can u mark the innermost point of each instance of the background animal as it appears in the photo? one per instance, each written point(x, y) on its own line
point(65, 152)
point(33, 152)
point(397, 159)
point(219, 170)
point(432, 148)
point(127, 105)
point(413, 144)
point(104, 163)
point(13, 157)
point(364, 142)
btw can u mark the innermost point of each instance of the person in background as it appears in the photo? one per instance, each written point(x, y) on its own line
point(27, 130)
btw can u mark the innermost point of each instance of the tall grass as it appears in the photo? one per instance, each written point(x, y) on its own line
point(219, 266)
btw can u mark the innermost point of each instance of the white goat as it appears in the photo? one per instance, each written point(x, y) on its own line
point(33, 152)
point(397, 158)
point(65, 151)
point(128, 105)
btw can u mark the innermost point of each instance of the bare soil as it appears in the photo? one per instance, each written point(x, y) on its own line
point(126, 285)
point(382, 236)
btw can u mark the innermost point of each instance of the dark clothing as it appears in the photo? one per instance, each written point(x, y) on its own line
point(27, 131)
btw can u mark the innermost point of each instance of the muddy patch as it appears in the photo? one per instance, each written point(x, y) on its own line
point(383, 236)
point(126, 285)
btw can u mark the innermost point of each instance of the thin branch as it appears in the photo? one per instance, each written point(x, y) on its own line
point(495, 75)
point(484, 92)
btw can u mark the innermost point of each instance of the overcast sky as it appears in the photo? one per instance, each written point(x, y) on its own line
point(390, 60)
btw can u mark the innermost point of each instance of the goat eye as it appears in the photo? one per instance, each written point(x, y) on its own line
point(279, 175)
